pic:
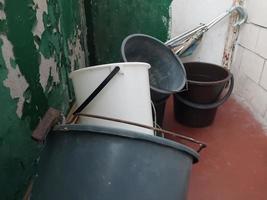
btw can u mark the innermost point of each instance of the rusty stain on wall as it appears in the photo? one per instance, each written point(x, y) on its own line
point(232, 36)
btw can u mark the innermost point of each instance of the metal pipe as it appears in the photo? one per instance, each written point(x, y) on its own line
point(174, 42)
point(189, 43)
point(184, 35)
point(217, 19)
point(241, 13)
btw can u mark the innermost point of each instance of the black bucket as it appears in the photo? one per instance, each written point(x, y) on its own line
point(197, 106)
point(167, 74)
point(159, 100)
point(85, 162)
point(160, 110)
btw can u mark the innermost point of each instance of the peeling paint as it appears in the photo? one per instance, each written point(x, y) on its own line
point(27, 57)
point(17, 85)
point(170, 22)
point(48, 68)
point(2, 13)
point(15, 148)
point(40, 43)
point(41, 7)
point(15, 81)
point(165, 21)
point(77, 53)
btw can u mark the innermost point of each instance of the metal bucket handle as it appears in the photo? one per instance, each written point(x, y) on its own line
point(201, 144)
point(97, 90)
point(212, 105)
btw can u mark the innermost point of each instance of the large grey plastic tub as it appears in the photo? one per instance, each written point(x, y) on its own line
point(95, 163)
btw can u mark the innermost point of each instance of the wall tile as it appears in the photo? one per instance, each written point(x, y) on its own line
point(261, 47)
point(263, 81)
point(257, 11)
point(248, 36)
point(252, 65)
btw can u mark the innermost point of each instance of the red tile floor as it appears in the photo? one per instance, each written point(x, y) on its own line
point(234, 165)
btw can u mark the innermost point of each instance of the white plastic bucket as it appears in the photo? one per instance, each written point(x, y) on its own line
point(126, 96)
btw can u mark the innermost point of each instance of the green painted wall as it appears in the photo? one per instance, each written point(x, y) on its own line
point(113, 20)
point(40, 43)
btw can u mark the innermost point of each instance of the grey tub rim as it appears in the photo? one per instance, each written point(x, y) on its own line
point(181, 66)
point(71, 129)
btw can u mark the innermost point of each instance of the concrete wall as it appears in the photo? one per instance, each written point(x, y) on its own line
point(188, 14)
point(40, 43)
point(250, 66)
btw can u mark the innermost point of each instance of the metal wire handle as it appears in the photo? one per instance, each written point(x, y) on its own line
point(201, 144)
point(97, 90)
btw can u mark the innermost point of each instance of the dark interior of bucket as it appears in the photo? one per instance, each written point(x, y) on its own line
point(205, 72)
point(167, 72)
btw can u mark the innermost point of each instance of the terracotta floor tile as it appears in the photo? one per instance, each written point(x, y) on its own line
point(234, 166)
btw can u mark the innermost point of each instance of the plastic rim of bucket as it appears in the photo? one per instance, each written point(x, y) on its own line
point(210, 105)
point(206, 82)
point(128, 134)
point(226, 79)
point(106, 66)
point(162, 45)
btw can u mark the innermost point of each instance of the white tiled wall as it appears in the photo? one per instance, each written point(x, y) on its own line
point(257, 11)
point(250, 62)
point(263, 82)
point(252, 65)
